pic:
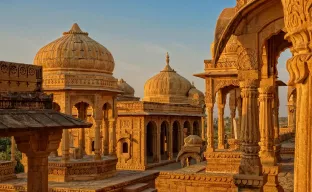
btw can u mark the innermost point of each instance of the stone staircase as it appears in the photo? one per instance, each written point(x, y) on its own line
point(139, 187)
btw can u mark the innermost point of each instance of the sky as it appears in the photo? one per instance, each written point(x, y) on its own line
point(137, 32)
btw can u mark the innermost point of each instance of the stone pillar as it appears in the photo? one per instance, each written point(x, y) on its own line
point(266, 153)
point(155, 144)
point(232, 104)
point(170, 153)
point(82, 114)
point(24, 161)
point(12, 149)
point(97, 151)
point(221, 127)
point(233, 114)
point(202, 128)
point(221, 130)
point(277, 144)
point(239, 122)
point(250, 169)
point(37, 146)
point(210, 129)
point(65, 146)
point(297, 19)
point(112, 137)
point(105, 137)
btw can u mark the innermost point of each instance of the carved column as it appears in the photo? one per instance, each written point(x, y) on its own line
point(12, 149)
point(170, 154)
point(112, 137)
point(210, 129)
point(202, 128)
point(220, 121)
point(65, 136)
point(24, 161)
point(37, 146)
point(250, 168)
point(65, 145)
point(82, 114)
point(239, 110)
point(155, 144)
point(97, 152)
point(277, 144)
point(266, 153)
point(105, 137)
point(298, 21)
point(232, 104)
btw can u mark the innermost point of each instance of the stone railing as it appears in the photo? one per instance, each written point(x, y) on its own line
point(142, 107)
point(20, 77)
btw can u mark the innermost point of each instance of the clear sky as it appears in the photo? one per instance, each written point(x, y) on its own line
point(137, 32)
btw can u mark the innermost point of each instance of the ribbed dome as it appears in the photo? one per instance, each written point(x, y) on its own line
point(193, 140)
point(126, 88)
point(196, 96)
point(167, 87)
point(75, 50)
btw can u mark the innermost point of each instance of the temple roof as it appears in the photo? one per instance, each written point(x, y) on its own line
point(22, 120)
point(75, 50)
point(167, 86)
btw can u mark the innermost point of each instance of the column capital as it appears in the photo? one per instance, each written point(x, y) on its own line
point(266, 89)
point(39, 142)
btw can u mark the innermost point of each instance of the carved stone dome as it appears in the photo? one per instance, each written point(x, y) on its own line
point(196, 96)
point(193, 140)
point(75, 50)
point(167, 87)
point(126, 88)
point(76, 62)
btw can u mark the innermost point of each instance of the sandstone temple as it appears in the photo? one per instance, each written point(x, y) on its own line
point(80, 129)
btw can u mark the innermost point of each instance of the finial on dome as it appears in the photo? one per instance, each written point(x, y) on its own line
point(167, 67)
point(193, 84)
point(75, 29)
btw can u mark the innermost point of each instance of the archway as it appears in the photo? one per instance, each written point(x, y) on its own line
point(196, 130)
point(164, 140)
point(151, 142)
point(186, 128)
point(78, 136)
point(176, 138)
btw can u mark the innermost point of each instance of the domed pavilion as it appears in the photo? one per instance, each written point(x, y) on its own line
point(151, 132)
point(79, 72)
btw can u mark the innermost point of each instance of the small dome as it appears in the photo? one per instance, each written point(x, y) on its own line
point(193, 140)
point(167, 87)
point(196, 96)
point(76, 51)
point(126, 88)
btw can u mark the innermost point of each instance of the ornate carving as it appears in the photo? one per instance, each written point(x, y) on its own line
point(221, 83)
point(247, 59)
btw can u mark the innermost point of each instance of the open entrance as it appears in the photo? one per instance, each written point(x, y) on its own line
point(176, 138)
point(151, 142)
point(164, 140)
point(196, 128)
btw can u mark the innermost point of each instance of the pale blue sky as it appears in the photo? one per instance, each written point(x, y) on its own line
point(137, 32)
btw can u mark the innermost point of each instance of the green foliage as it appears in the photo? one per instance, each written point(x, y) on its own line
point(5, 154)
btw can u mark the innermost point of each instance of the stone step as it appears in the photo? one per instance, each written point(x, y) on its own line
point(138, 187)
point(150, 190)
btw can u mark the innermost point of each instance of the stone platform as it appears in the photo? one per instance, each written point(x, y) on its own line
point(7, 170)
point(118, 183)
point(223, 161)
point(81, 169)
point(194, 178)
